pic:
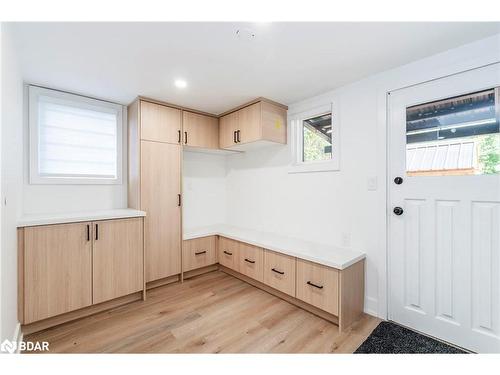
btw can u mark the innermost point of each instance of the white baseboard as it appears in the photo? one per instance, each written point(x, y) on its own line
point(371, 306)
point(18, 337)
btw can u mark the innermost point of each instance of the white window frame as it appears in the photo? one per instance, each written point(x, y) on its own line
point(80, 102)
point(296, 125)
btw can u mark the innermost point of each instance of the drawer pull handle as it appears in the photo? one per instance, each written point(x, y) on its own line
point(314, 285)
point(275, 270)
point(249, 261)
point(200, 252)
point(227, 252)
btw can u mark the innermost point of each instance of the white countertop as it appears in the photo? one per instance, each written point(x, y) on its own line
point(327, 255)
point(73, 217)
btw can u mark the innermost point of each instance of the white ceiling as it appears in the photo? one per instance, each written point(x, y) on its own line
point(285, 62)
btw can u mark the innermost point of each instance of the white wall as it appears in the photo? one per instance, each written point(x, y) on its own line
point(336, 207)
point(11, 156)
point(204, 189)
point(70, 198)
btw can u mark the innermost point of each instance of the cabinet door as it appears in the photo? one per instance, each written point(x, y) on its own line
point(228, 126)
point(228, 253)
point(249, 123)
point(160, 123)
point(198, 253)
point(318, 285)
point(200, 130)
point(57, 269)
point(279, 272)
point(118, 266)
point(251, 261)
point(160, 192)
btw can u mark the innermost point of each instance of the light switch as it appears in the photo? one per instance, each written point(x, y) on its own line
point(371, 183)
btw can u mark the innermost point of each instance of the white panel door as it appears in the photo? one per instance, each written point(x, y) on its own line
point(444, 246)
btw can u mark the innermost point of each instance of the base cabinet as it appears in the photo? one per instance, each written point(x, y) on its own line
point(318, 285)
point(279, 272)
point(251, 261)
point(228, 253)
point(198, 253)
point(67, 267)
point(57, 270)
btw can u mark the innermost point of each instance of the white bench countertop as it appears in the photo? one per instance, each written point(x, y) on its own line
point(74, 217)
point(328, 255)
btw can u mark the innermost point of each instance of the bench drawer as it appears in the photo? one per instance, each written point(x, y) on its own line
point(228, 253)
point(318, 285)
point(198, 253)
point(251, 261)
point(279, 272)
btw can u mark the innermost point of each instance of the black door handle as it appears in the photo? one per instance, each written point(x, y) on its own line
point(88, 232)
point(398, 210)
point(96, 232)
point(249, 261)
point(314, 285)
point(234, 136)
point(179, 200)
point(275, 270)
point(238, 136)
point(179, 136)
point(227, 252)
point(185, 138)
point(200, 252)
point(398, 180)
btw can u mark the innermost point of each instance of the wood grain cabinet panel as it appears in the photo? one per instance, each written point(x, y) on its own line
point(160, 198)
point(249, 123)
point(318, 285)
point(118, 267)
point(228, 125)
point(57, 270)
point(160, 123)
point(198, 253)
point(279, 272)
point(229, 253)
point(200, 130)
point(251, 261)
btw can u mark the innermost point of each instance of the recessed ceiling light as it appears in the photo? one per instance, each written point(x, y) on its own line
point(180, 83)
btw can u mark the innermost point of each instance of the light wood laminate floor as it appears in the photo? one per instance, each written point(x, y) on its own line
point(210, 313)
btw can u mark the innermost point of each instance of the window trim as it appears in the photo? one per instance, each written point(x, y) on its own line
point(81, 102)
point(296, 123)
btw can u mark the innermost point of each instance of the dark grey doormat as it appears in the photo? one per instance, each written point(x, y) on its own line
point(391, 338)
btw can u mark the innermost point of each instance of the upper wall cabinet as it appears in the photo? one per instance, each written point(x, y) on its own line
point(160, 123)
point(254, 125)
point(200, 131)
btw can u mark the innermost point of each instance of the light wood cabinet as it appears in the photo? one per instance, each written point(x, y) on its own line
point(228, 125)
point(251, 261)
point(118, 258)
point(160, 197)
point(66, 268)
point(279, 272)
point(57, 270)
point(160, 123)
point(200, 131)
point(318, 285)
point(228, 253)
point(198, 253)
point(259, 123)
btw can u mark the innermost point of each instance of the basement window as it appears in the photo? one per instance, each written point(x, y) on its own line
point(315, 143)
point(73, 139)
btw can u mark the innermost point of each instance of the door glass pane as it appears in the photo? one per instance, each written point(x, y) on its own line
point(454, 136)
point(317, 138)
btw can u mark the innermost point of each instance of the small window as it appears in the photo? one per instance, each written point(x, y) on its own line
point(315, 140)
point(73, 139)
point(454, 136)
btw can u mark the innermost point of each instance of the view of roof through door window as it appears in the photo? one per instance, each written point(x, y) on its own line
point(454, 136)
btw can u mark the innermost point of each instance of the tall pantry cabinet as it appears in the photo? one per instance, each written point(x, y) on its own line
point(155, 154)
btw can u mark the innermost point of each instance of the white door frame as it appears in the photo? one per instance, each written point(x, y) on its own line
point(388, 179)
